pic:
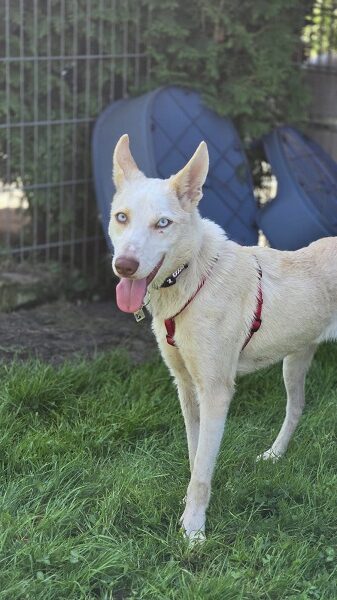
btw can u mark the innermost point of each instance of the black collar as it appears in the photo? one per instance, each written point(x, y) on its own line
point(172, 279)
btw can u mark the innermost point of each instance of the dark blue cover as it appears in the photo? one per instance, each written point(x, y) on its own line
point(305, 207)
point(165, 128)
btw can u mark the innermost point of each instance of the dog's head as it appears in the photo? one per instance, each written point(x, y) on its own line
point(151, 222)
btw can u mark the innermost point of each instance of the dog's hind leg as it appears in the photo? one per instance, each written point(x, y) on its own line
point(295, 367)
point(214, 404)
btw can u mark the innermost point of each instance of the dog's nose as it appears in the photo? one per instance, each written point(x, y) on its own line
point(126, 266)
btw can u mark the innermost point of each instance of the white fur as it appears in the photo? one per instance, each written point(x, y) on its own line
point(299, 308)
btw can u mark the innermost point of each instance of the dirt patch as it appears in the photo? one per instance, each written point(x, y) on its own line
point(61, 330)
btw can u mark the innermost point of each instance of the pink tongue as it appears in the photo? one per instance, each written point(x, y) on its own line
point(130, 294)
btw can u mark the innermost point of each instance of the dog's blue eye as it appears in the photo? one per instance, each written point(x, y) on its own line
point(163, 222)
point(121, 217)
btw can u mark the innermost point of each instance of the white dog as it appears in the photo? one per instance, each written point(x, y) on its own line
point(208, 296)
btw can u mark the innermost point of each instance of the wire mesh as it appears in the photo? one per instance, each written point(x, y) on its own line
point(61, 64)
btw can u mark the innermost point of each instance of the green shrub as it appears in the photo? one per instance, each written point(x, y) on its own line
point(240, 55)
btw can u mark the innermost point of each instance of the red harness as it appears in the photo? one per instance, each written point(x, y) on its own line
point(255, 326)
point(170, 323)
point(257, 321)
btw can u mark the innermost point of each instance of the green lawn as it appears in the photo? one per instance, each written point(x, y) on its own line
point(94, 468)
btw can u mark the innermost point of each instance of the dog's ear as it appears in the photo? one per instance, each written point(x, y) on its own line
point(188, 182)
point(123, 164)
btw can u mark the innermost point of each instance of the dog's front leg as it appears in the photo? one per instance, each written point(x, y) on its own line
point(191, 414)
point(214, 403)
point(187, 397)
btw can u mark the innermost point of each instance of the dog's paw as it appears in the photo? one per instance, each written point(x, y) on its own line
point(269, 455)
point(193, 526)
point(194, 538)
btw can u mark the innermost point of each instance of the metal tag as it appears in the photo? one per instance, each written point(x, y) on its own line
point(139, 315)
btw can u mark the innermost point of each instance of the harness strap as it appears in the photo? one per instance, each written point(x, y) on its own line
point(255, 326)
point(257, 321)
point(170, 323)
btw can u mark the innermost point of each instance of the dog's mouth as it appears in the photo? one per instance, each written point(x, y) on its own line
point(130, 293)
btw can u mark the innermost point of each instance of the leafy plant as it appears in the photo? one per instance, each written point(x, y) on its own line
point(239, 55)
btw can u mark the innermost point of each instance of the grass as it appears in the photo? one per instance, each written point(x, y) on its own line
point(94, 467)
